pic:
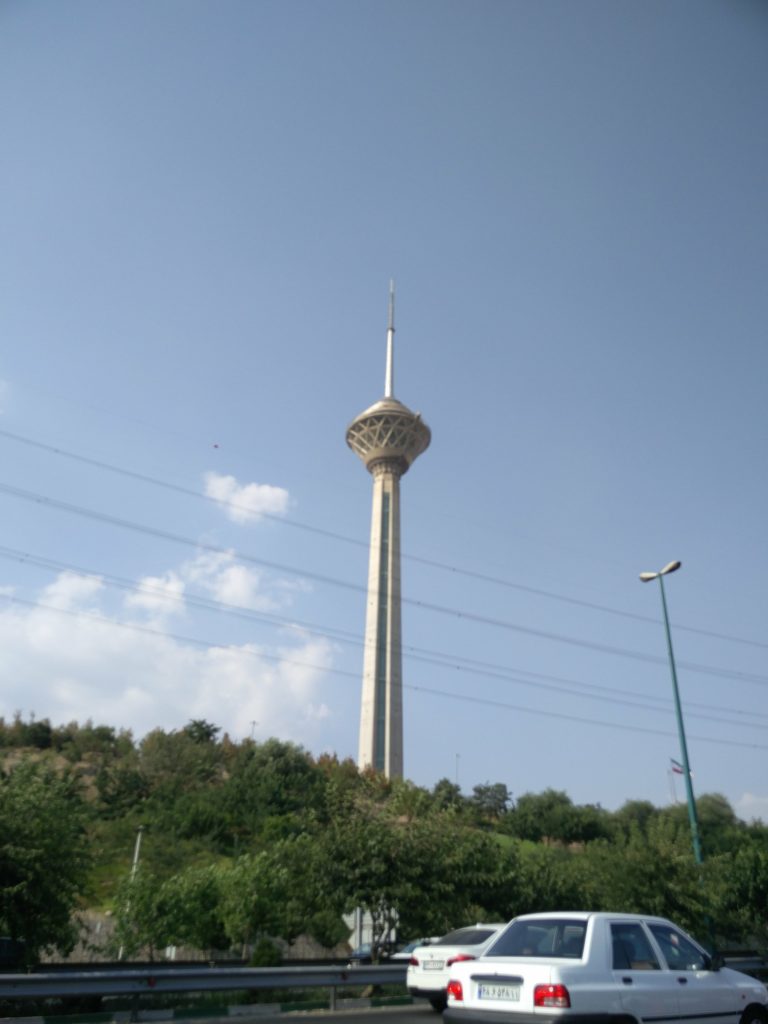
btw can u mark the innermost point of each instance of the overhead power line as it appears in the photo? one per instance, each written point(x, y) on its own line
point(195, 641)
point(540, 681)
point(332, 535)
point(175, 538)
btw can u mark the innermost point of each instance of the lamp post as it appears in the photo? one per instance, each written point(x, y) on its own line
point(134, 869)
point(646, 577)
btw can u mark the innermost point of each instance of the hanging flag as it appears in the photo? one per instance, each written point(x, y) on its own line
point(677, 768)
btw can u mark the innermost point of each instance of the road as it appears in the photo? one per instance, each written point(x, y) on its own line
point(419, 1013)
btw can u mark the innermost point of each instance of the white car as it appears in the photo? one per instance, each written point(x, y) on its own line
point(430, 966)
point(408, 950)
point(595, 967)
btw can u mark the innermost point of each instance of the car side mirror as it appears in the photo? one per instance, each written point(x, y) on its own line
point(716, 961)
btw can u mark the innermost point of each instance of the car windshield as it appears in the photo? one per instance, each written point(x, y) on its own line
point(465, 937)
point(545, 937)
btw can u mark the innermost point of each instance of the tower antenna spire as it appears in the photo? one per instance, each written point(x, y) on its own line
point(390, 372)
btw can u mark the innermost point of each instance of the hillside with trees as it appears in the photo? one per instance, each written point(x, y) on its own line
point(248, 841)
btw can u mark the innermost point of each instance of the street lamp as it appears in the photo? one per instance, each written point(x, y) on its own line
point(134, 869)
point(646, 577)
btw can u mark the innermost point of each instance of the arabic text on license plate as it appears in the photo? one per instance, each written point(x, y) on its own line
point(433, 965)
point(509, 992)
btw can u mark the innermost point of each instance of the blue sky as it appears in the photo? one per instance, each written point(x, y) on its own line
point(201, 207)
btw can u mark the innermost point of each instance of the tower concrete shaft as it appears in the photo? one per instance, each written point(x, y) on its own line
point(388, 437)
point(381, 708)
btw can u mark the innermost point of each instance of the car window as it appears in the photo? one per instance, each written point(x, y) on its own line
point(678, 951)
point(465, 937)
point(631, 949)
point(551, 937)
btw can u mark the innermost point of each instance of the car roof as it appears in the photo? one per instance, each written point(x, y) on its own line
point(583, 915)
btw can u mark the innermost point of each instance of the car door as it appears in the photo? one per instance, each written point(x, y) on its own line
point(646, 988)
point(704, 994)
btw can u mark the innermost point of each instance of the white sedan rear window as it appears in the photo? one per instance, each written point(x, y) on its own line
point(465, 937)
point(546, 937)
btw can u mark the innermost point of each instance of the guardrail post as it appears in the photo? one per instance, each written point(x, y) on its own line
point(333, 997)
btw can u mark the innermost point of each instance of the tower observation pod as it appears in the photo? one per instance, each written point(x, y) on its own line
point(388, 437)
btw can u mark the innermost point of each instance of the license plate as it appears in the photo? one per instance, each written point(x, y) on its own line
point(434, 965)
point(510, 993)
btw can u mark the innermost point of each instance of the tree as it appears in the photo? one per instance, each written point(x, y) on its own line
point(140, 919)
point(190, 908)
point(419, 877)
point(250, 898)
point(652, 873)
point(636, 813)
point(546, 815)
point(408, 800)
point(176, 762)
point(491, 801)
point(201, 731)
point(719, 827)
point(544, 880)
point(364, 863)
point(742, 893)
point(272, 787)
point(43, 857)
point(447, 794)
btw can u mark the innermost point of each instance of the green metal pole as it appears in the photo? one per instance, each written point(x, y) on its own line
point(692, 816)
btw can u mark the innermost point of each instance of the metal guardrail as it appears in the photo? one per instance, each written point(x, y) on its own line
point(149, 981)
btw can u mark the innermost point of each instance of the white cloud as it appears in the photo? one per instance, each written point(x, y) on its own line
point(70, 590)
point(750, 806)
point(238, 585)
point(159, 595)
point(245, 503)
point(64, 665)
point(224, 579)
point(215, 575)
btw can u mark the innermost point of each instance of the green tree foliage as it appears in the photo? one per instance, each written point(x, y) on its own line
point(250, 890)
point(421, 876)
point(446, 795)
point(490, 801)
point(552, 815)
point(43, 857)
point(271, 789)
point(251, 840)
point(201, 731)
point(719, 828)
point(35, 734)
point(189, 906)
point(740, 881)
point(141, 921)
point(634, 814)
point(647, 873)
point(74, 741)
point(544, 879)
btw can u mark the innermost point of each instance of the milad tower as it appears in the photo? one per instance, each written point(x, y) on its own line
point(388, 437)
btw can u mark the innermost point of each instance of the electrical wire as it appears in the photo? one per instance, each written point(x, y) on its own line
point(329, 534)
point(334, 581)
point(479, 668)
point(194, 641)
